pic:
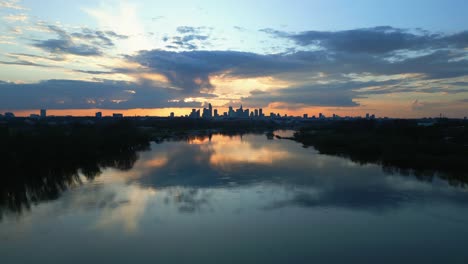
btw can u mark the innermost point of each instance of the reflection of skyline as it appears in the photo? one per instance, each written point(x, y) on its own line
point(227, 150)
point(232, 162)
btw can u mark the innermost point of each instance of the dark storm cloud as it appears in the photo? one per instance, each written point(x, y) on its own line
point(459, 40)
point(67, 46)
point(377, 40)
point(191, 70)
point(85, 43)
point(373, 40)
point(66, 94)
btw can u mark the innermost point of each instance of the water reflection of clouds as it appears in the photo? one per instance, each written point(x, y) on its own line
point(132, 201)
point(189, 177)
point(328, 181)
point(227, 151)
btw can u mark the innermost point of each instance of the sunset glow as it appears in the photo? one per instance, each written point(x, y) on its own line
point(148, 58)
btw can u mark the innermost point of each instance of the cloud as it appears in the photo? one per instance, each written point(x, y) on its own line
point(85, 43)
point(98, 38)
point(330, 73)
point(190, 38)
point(11, 4)
point(191, 71)
point(69, 94)
point(23, 63)
point(188, 29)
point(6, 40)
point(334, 94)
point(376, 40)
point(66, 46)
point(33, 56)
point(16, 18)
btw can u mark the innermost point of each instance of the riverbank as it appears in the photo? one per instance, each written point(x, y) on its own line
point(401, 145)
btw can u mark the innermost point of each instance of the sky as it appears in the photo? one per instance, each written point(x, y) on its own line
point(389, 58)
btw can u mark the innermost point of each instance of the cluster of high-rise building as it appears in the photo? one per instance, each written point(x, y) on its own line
point(213, 113)
point(209, 113)
point(255, 113)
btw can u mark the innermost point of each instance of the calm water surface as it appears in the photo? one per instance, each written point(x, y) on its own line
point(243, 200)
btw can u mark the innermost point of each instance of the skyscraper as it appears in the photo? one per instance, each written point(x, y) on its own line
point(193, 114)
point(43, 113)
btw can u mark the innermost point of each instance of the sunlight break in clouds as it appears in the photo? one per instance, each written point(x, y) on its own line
point(123, 19)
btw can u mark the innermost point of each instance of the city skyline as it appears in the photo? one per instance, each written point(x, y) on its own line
point(398, 59)
point(207, 113)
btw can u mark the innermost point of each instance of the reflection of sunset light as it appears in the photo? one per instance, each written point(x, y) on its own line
point(198, 140)
point(153, 77)
point(243, 86)
point(244, 153)
point(141, 168)
point(227, 150)
point(156, 162)
point(129, 212)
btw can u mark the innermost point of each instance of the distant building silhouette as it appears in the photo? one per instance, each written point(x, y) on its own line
point(208, 112)
point(9, 115)
point(195, 113)
point(98, 115)
point(43, 113)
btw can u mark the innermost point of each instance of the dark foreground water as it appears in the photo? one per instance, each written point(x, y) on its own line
point(242, 200)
